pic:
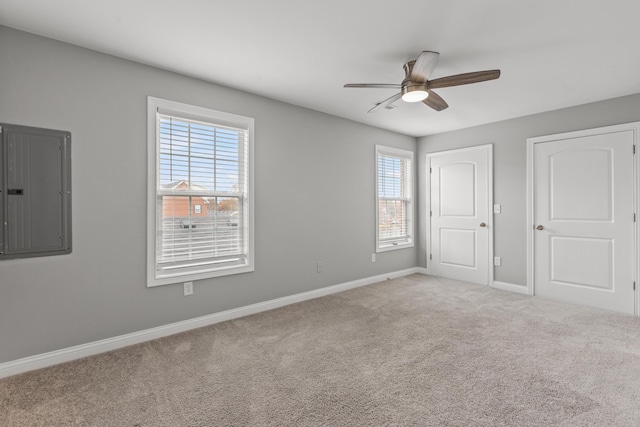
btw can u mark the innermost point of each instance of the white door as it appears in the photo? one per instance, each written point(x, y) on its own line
point(583, 215)
point(460, 217)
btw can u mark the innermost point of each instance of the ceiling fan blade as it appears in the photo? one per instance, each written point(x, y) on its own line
point(463, 79)
point(374, 85)
point(424, 66)
point(385, 103)
point(435, 101)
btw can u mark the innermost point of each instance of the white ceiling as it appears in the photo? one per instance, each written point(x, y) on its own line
point(552, 53)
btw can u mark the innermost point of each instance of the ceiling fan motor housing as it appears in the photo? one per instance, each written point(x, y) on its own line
point(408, 68)
point(412, 91)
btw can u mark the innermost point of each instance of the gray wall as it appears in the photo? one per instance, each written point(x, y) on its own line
point(314, 198)
point(509, 180)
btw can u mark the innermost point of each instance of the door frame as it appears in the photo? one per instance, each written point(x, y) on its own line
point(489, 152)
point(635, 127)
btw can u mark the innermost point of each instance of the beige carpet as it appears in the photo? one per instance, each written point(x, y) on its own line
point(415, 351)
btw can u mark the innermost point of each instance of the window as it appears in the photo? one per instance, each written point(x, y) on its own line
point(200, 198)
point(394, 198)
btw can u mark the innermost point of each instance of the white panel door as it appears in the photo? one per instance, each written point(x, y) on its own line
point(460, 221)
point(583, 219)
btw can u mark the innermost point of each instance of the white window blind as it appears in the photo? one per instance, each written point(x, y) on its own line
point(201, 192)
point(394, 198)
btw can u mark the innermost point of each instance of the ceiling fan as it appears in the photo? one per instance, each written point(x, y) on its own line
point(417, 87)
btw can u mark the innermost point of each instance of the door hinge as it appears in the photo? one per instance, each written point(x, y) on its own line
point(634, 286)
point(430, 257)
point(634, 149)
point(634, 217)
point(430, 170)
point(430, 213)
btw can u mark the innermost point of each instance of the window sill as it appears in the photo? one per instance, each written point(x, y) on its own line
point(179, 277)
point(392, 247)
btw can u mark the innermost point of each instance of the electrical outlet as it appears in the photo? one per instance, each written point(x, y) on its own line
point(320, 268)
point(497, 209)
point(188, 288)
point(497, 261)
point(373, 257)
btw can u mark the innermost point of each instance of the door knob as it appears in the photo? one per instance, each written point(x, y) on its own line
point(539, 227)
point(482, 224)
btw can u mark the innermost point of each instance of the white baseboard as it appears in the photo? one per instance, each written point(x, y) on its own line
point(421, 270)
point(504, 286)
point(83, 350)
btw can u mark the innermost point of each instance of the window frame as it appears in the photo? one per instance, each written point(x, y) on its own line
point(407, 241)
point(215, 118)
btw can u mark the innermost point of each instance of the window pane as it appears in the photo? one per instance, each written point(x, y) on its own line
point(216, 231)
point(201, 155)
point(392, 172)
point(392, 219)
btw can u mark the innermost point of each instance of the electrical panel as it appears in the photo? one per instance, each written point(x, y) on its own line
point(35, 192)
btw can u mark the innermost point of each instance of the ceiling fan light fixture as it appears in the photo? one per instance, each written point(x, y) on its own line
point(414, 93)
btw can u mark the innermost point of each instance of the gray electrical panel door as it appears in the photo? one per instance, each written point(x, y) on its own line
point(35, 190)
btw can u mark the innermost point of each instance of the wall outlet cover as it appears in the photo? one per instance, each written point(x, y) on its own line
point(188, 288)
